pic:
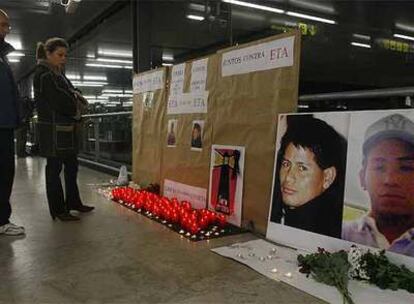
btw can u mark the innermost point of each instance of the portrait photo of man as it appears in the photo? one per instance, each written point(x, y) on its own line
point(387, 175)
point(309, 176)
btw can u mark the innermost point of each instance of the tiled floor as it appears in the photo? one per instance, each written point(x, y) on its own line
point(116, 256)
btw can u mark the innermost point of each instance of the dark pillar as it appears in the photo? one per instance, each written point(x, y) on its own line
point(141, 30)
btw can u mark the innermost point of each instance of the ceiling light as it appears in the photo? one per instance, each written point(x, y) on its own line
point(167, 57)
point(73, 76)
point(256, 6)
point(14, 60)
point(99, 65)
point(195, 17)
point(15, 54)
point(404, 27)
point(361, 45)
point(15, 41)
point(310, 17)
point(166, 64)
point(197, 7)
point(327, 9)
point(89, 84)
point(114, 53)
point(117, 95)
point(114, 60)
point(95, 77)
point(362, 37)
point(112, 91)
point(404, 37)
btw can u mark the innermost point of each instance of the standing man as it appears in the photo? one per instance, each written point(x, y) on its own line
point(387, 175)
point(9, 118)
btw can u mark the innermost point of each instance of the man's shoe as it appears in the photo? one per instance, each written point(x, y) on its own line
point(66, 217)
point(82, 208)
point(11, 229)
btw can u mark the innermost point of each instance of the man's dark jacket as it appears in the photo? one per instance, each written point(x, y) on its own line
point(9, 107)
point(56, 109)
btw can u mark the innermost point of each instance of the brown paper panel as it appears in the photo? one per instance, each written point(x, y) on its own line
point(181, 163)
point(147, 133)
point(242, 111)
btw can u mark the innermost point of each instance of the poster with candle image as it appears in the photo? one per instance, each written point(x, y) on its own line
point(226, 181)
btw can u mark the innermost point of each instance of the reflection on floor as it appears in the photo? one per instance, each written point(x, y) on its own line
point(116, 256)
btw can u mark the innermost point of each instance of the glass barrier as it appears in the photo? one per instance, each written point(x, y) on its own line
point(107, 138)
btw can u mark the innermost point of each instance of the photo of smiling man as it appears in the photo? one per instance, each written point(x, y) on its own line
point(387, 175)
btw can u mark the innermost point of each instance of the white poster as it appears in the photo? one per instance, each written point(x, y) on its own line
point(195, 195)
point(226, 181)
point(188, 103)
point(199, 75)
point(345, 177)
point(177, 80)
point(148, 82)
point(266, 56)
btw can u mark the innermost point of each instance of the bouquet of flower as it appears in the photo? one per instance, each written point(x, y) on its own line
point(335, 269)
point(328, 268)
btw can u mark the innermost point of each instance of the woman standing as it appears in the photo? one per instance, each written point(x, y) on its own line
point(59, 108)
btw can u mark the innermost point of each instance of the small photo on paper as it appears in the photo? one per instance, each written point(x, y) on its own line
point(197, 135)
point(172, 129)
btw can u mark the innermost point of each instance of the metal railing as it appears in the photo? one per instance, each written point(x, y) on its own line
point(106, 140)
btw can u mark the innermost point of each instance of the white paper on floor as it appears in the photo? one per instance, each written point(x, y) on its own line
point(276, 262)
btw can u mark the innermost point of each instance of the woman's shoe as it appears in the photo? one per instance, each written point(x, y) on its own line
point(66, 217)
point(82, 208)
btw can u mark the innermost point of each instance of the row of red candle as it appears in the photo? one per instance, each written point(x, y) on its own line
point(172, 211)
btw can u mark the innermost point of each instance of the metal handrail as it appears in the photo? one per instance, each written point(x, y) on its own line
point(126, 113)
point(377, 93)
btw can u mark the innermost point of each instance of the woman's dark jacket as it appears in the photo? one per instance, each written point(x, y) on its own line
point(56, 108)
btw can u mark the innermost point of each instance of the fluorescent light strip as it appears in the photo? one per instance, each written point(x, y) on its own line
point(123, 54)
point(256, 6)
point(112, 91)
point(167, 64)
point(404, 37)
point(362, 37)
point(73, 76)
point(114, 60)
point(117, 95)
point(92, 77)
point(168, 57)
point(16, 54)
point(363, 45)
point(99, 65)
point(14, 60)
point(89, 84)
point(310, 17)
point(327, 9)
point(195, 17)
